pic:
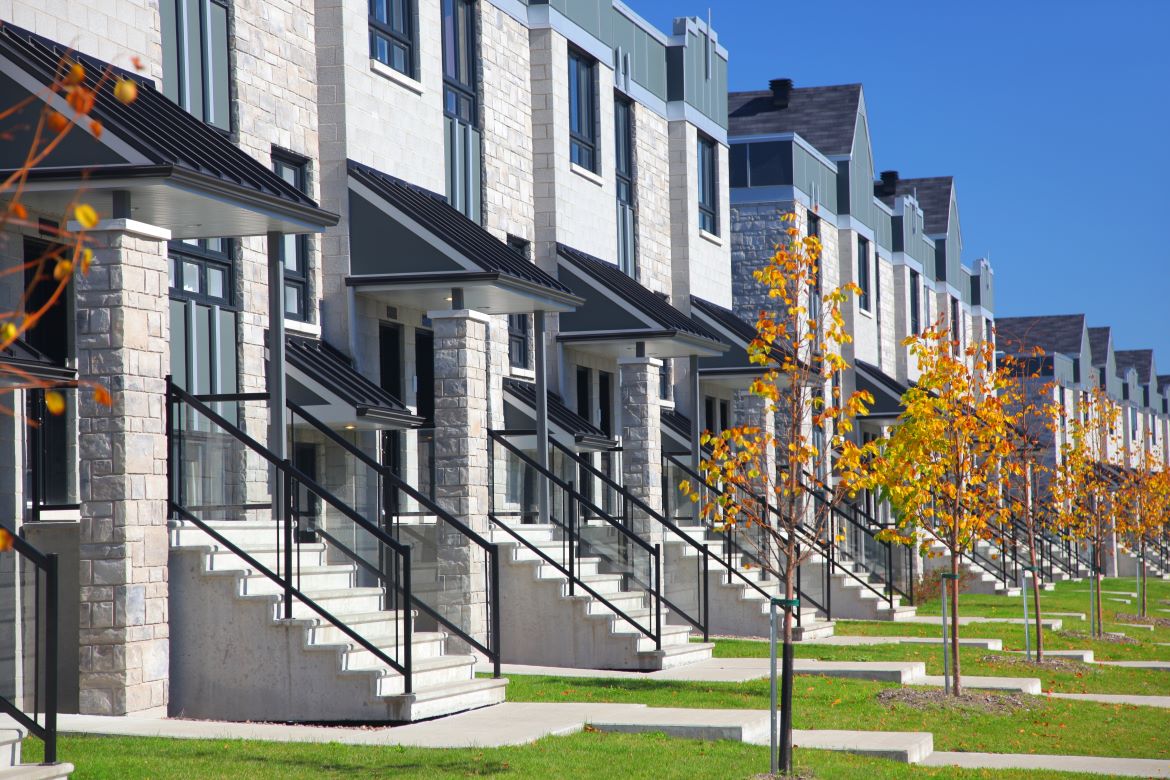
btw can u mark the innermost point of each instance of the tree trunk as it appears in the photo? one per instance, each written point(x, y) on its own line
point(1142, 563)
point(786, 662)
point(957, 688)
point(1030, 520)
point(1100, 566)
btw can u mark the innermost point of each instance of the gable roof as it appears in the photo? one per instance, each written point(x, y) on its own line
point(826, 117)
point(934, 197)
point(154, 127)
point(1099, 345)
point(583, 432)
point(887, 392)
point(1141, 360)
point(1054, 333)
point(470, 239)
point(653, 306)
point(1163, 382)
point(333, 371)
point(20, 362)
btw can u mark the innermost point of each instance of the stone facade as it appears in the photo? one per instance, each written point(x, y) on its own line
point(123, 334)
point(642, 438)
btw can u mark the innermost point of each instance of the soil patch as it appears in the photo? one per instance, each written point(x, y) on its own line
point(934, 699)
point(1108, 636)
point(1052, 663)
point(1125, 617)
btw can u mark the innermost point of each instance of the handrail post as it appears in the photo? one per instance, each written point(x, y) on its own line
point(170, 423)
point(706, 594)
point(890, 573)
point(407, 627)
point(52, 603)
point(495, 617)
point(286, 511)
point(573, 509)
point(658, 594)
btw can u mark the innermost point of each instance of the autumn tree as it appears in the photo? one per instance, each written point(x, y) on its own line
point(1144, 500)
point(941, 466)
point(776, 482)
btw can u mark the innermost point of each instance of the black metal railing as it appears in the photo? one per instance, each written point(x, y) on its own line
point(743, 549)
point(585, 534)
point(35, 604)
point(887, 567)
point(425, 532)
point(253, 469)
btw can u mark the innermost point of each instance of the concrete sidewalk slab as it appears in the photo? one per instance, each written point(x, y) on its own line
point(909, 747)
point(1073, 615)
point(737, 725)
point(1012, 684)
point(738, 670)
point(1084, 656)
point(861, 641)
point(1124, 767)
point(1053, 624)
point(1142, 626)
point(1160, 665)
point(1117, 698)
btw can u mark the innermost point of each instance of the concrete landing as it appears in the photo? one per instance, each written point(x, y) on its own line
point(973, 682)
point(1123, 767)
point(1160, 665)
point(740, 670)
point(1074, 615)
point(1084, 656)
point(1117, 698)
point(860, 641)
point(1052, 624)
point(909, 747)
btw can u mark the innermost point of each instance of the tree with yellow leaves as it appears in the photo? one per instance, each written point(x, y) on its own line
point(1085, 505)
point(68, 254)
point(777, 483)
point(1144, 499)
point(941, 466)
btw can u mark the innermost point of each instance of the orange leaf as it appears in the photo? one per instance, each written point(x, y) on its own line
point(102, 396)
point(85, 214)
point(126, 91)
point(54, 402)
point(7, 540)
point(57, 122)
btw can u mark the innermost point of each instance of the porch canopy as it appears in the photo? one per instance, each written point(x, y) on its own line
point(410, 247)
point(568, 427)
point(323, 381)
point(733, 369)
point(621, 316)
point(152, 162)
point(21, 364)
point(887, 393)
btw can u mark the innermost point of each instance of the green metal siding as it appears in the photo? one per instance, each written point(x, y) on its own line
point(882, 227)
point(807, 171)
point(647, 54)
point(954, 245)
point(687, 78)
point(861, 205)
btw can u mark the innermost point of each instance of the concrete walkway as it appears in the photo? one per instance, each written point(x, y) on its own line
point(975, 683)
point(738, 670)
point(1117, 698)
point(1160, 665)
point(1053, 624)
point(860, 641)
point(1123, 767)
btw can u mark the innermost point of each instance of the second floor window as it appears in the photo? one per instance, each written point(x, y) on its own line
point(708, 186)
point(863, 273)
point(623, 121)
point(583, 110)
point(518, 340)
point(915, 313)
point(814, 292)
point(956, 323)
point(201, 270)
point(294, 250)
point(195, 58)
point(392, 36)
point(459, 99)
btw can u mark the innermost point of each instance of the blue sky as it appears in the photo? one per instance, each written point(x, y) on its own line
point(1053, 115)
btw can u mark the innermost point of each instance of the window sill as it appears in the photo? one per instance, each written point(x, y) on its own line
point(401, 79)
point(523, 373)
point(301, 327)
point(866, 312)
point(714, 239)
point(587, 174)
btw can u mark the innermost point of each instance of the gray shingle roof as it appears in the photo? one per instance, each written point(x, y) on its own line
point(1054, 333)
point(934, 196)
point(1163, 382)
point(1140, 359)
point(1099, 345)
point(823, 116)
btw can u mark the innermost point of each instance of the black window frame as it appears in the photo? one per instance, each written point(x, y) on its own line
point(863, 300)
point(460, 98)
point(205, 258)
point(813, 230)
point(956, 332)
point(665, 380)
point(623, 127)
point(519, 339)
point(915, 303)
point(297, 280)
point(406, 39)
point(584, 146)
point(213, 38)
point(708, 184)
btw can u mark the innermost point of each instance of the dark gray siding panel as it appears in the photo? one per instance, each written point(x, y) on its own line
point(380, 245)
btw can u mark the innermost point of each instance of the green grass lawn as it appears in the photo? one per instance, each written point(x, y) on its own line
point(584, 755)
point(1087, 679)
point(1052, 726)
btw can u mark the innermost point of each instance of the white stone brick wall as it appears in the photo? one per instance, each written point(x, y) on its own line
point(888, 312)
point(652, 199)
point(701, 264)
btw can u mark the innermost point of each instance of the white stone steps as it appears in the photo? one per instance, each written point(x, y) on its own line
point(303, 555)
point(426, 703)
point(36, 772)
point(309, 580)
point(340, 602)
point(428, 672)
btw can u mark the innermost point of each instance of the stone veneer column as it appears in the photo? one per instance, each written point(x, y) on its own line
point(461, 461)
point(123, 333)
point(642, 439)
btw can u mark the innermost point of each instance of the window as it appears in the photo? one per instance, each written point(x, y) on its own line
point(518, 337)
point(814, 293)
point(392, 34)
point(915, 313)
point(294, 250)
point(956, 330)
point(623, 122)
point(863, 272)
point(583, 110)
point(664, 382)
point(195, 58)
point(201, 270)
point(708, 192)
point(459, 97)
point(712, 424)
point(203, 327)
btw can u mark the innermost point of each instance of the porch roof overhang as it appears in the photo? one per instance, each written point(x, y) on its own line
point(171, 170)
point(677, 428)
point(323, 381)
point(619, 313)
point(573, 430)
point(21, 364)
point(887, 394)
point(410, 247)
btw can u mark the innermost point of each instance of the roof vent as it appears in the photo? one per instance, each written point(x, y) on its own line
point(781, 92)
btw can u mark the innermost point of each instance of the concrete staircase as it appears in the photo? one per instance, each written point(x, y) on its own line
point(11, 737)
point(981, 581)
point(852, 600)
point(234, 658)
point(736, 607)
point(1128, 565)
point(545, 625)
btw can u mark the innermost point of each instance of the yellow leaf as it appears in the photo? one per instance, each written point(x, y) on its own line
point(86, 216)
point(126, 91)
point(54, 402)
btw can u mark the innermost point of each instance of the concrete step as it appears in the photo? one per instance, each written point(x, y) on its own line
point(427, 703)
point(36, 772)
point(672, 656)
point(308, 580)
point(428, 672)
point(341, 602)
point(304, 555)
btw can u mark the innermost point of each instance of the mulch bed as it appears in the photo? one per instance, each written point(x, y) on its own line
point(1053, 663)
point(1108, 636)
point(1160, 622)
point(934, 699)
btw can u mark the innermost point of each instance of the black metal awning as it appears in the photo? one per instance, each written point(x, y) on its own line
point(620, 313)
point(410, 247)
point(521, 398)
point(178, 173)
point(887, 392)
point(21, 364)
point(324, 381)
